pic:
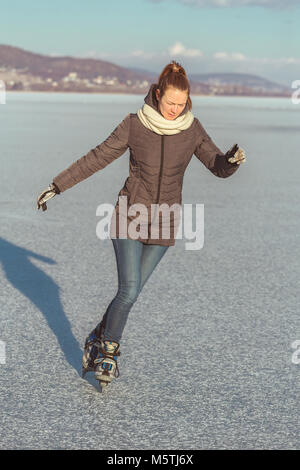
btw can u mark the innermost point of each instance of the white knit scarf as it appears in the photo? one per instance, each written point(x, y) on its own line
point(154, 121)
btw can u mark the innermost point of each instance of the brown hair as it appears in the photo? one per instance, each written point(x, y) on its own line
point(173, 75)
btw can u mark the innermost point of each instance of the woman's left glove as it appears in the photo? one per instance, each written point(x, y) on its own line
point(50, 192)
point(236, 155)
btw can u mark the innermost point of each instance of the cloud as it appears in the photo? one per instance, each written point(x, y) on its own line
point(279, 4)
point(92, 54)
point(192, 55)
point(234, 56)
point(238, 57)
point(142, 54)
point(179, 49)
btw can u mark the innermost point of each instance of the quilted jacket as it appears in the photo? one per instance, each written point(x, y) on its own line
point(156, 169)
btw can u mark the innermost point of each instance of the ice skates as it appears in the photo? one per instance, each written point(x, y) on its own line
point(106, 363)
point(91, 349)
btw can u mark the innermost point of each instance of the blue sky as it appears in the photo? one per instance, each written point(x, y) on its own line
point(245, 36)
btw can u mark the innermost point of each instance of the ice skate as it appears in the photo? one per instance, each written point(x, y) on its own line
point(91, 349)
point(106, 363)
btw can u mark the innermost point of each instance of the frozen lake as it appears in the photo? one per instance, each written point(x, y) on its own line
point(207, 360)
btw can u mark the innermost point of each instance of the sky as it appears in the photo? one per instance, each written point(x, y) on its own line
point(260, 37)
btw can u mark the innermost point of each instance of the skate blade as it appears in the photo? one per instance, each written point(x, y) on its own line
point(103, 385)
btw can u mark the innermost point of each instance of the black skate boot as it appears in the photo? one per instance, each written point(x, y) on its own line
point(106, 363)
point(91, 349)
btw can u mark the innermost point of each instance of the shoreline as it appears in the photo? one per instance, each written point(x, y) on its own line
point(140, 94)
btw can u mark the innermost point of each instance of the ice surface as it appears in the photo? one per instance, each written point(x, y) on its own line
point(224, 317)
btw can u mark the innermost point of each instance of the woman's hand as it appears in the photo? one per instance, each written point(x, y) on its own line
point(50, 192)
point(236, 155)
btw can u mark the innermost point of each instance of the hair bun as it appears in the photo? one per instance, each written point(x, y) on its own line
point(176, 67)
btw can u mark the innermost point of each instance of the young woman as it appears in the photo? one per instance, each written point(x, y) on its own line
point(162, 138)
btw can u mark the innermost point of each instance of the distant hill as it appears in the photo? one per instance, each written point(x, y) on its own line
point(24, 70)
point(58, 67)
point(247, 80)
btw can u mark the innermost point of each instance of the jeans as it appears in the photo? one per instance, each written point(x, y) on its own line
point(135, 261)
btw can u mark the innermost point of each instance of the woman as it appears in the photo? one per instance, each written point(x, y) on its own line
point(162, 138)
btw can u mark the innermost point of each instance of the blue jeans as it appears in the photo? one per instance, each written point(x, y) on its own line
point(135, 261)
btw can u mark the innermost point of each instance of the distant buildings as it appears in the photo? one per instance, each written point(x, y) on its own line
point(23, 80)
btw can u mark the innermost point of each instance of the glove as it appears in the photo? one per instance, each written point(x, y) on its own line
point(236, 155)
point(50, 192)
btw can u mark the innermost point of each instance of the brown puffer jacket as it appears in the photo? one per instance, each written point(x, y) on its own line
point(156, 170)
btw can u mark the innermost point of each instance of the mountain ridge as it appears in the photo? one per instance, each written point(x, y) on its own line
point(25, 70)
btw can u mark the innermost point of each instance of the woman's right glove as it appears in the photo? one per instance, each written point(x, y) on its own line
point(50, 192)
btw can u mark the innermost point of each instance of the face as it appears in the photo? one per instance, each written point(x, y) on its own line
point(172, 103)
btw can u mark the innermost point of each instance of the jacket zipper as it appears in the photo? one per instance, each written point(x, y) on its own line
point(159, 181)
point(161, 167)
